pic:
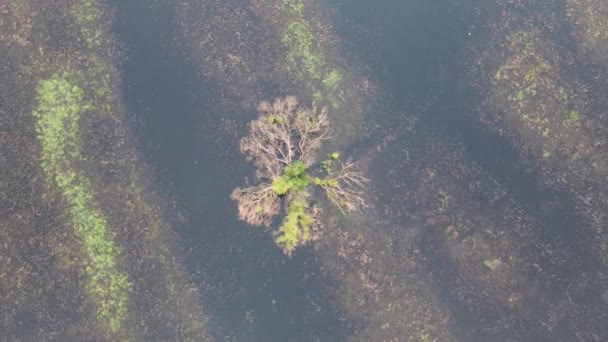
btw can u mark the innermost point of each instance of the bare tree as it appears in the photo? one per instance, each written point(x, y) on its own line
point(257, 204)
point(284, 133)
point(313, 127)
point(345, 186)
point(282, 140)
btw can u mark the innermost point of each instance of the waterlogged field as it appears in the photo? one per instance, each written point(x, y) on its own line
point(442, 175)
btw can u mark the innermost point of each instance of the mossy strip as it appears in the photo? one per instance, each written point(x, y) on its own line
point(304, 60)
point(60, 104)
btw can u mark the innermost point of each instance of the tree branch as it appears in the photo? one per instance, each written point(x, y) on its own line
point(345, 187)
point(257, 205)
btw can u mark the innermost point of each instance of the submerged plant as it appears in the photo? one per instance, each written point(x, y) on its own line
point(282, 143)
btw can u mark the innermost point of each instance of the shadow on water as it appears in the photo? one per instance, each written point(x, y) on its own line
point(252, 291)
point(419, 54)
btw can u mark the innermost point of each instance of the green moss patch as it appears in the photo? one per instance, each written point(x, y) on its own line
point(305, 58)
point(60, 104)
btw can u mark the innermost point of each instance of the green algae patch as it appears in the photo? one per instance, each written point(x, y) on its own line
point(305, 59)
point(60, 104)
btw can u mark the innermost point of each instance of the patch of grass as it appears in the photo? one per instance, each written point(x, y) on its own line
point(304, 60)
point(332, 80)
point(298, 36)
point(60, 104)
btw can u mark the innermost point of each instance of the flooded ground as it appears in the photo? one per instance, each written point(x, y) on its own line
point(481, 125)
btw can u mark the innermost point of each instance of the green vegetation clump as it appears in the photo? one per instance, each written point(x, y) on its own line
point(75, 86)
point(304, 60)
point(296, 225)
point(536, 67)
point(60, 104)
point(492, 264)
point(574, 118)
point(87, 14)
point(282, 143)
point(293, 179)
point(326, 182)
